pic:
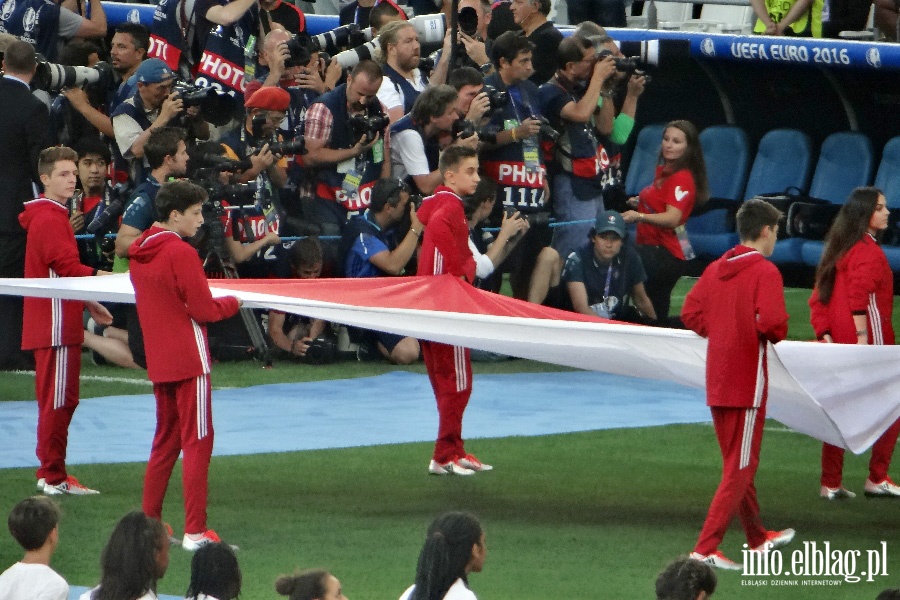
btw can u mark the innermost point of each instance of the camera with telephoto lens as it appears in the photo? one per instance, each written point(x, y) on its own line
point(538, 219)
point(52, 77)
point(280, 147)
point(302, 45)
point(114, 198)
point(369, 125)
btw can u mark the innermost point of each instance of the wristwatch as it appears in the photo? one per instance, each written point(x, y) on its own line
point(486, 68)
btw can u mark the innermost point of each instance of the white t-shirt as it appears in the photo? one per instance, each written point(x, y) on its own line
point(148, 596)
point(32, 582)
point(457, 591)
point(408, 154)
point(392, 97)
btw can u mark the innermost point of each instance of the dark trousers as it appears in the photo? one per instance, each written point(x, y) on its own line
point(12, 264)
point(663, 271)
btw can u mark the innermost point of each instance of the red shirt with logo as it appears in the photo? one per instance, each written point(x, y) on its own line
point(676, 190)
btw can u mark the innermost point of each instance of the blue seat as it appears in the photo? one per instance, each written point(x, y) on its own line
point(887, 179)
point(726, 150)
point(845, 163)
point(783, 160)
point(642, 167)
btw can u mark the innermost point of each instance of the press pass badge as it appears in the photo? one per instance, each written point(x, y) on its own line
point(351, 182)
point(378, 151)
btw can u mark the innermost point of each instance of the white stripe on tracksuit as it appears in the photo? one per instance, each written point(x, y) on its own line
point(60, 376)
point(750, 415)
point(459, 365)
point(56, 316)
point(875, 321)
point(202, 413)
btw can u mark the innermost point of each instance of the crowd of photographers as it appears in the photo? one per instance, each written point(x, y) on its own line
point(338, 135)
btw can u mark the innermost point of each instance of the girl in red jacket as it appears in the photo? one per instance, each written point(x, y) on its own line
point(664, 206)
point(852, 304)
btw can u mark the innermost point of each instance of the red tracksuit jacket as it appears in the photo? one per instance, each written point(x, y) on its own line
point(445, 245)
point(51, 251)
point(173, 304)
point(863, 285)
point(738, 304)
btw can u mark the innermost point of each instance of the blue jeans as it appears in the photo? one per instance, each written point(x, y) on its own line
point(566, 207)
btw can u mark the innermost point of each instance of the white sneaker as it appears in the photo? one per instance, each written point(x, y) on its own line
point(451, 468)
point(193, 542)
point(40, 484)
point(838, 493)
point(470, 462)
point(70, 486)
point(718, 560)
point(776, 539)
point(885, 489)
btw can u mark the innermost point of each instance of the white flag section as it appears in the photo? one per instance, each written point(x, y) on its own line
point(842, 394)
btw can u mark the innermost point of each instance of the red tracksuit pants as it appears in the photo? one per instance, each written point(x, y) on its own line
point(450, 372)
point(882, 452)
point(56, 386)
point(183, 422)
point(739, 431)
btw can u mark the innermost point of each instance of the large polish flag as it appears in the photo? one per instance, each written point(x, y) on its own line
point(845, 395)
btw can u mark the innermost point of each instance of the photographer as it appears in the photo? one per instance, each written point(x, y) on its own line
point(472, 104)
point(514, 162)
point(153, 105)
point(370, 249)
point(403, 81)
point(167, 156)
point(489, 251)
point(349, 158)
point(293, 333)
point(244, 233)
point(93, 161)
point(474, 45)
point(416, 138)
point(266, 110)
point(580, 160)
point(127, 51)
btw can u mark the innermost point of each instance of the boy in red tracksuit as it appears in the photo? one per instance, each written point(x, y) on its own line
point(52, 327)
point(445, 249)
point(738, 304)
point(173, 304)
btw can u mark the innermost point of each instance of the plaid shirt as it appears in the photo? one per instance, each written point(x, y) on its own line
point(319, 122)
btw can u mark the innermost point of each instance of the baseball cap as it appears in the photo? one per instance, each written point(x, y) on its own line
point(610, 221)
point(269, 98)
point(153, 70)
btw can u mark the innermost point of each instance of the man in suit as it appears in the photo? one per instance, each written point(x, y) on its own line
point(24, 132)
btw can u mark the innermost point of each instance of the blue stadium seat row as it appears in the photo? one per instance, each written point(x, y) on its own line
point(784, 160)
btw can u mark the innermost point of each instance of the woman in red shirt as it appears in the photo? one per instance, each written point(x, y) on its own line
point(662, 209)
point(852, 304)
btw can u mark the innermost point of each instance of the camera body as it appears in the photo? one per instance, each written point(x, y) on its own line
point(321, 351)
point(115, 206)
point(538, 219)
point(291, 147)
point(498, 99)
point(547, 132)
point(369, 125)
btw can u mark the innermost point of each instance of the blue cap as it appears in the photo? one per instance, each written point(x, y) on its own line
point(610, 221)
point(152, 70)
